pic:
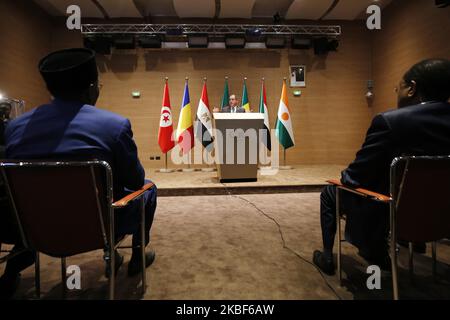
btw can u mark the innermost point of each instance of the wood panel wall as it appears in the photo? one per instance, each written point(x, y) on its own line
point(412, 30)
point(25, 37)
point(329, 119)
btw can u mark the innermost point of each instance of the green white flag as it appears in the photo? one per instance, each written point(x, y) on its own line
point(284, 131)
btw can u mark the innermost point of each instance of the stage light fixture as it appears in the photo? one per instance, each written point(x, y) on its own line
point(276, 18)
point(275, 42)
point(100, 44)
point(198, 41)
point(174, 31)
point(235, 42)
point(149, 41)
point(253, 32)
point(124, 42)
point(301, 43)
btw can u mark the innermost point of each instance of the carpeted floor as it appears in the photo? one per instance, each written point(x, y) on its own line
point(225, 247)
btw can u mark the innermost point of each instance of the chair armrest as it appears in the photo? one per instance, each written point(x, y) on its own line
point(125, 200)
point(362, 192)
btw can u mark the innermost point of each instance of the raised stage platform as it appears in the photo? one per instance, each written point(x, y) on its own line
point(302, 178)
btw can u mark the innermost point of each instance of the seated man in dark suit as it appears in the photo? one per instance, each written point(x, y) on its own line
point(420, 126)
point(70, 127)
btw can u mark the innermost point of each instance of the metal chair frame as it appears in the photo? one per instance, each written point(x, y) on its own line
point(393, 202)
point(110, 244)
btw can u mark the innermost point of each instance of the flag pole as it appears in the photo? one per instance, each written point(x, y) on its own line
point(262, 97)
point(245, 85)
point(207, 169)
point(285, 167)
point(188, 169)
point(189, 154)
point(165, 156)
point(165, 162)
point(284, 149)
point(165, 169)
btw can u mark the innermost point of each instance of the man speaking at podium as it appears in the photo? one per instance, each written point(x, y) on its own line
point(233, 106)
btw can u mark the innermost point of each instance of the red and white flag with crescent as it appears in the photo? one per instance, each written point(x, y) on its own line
point(165, 139)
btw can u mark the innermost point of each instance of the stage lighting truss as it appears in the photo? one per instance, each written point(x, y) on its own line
point(211, 29)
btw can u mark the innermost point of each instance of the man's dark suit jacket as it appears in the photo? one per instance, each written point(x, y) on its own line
point(227, 109)
point(73, 131)
point(422, 129)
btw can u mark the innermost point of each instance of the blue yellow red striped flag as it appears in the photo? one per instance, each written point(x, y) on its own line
point(185, 129)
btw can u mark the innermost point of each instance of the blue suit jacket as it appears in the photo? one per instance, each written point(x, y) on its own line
point(71, 130)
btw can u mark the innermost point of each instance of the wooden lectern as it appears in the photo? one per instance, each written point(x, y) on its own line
point(237, 145)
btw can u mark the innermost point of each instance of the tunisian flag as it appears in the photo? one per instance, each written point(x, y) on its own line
point(165, 140)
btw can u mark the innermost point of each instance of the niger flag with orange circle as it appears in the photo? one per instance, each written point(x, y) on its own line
point(284, 130)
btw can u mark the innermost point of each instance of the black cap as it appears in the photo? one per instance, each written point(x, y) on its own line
point(69, 70)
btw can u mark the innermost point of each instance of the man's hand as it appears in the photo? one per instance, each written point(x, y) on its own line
point(216, 109)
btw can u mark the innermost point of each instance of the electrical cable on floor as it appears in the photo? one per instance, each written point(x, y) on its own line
point(283, 240)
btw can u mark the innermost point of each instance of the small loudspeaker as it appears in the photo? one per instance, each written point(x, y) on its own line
point(198, 41)
point(124, 42)
point(148, 42)
point(235, 42)
point(275, 42)
point(301, 43)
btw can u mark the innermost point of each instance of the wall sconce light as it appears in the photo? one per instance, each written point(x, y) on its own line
point(297, 93)
point(369, 94)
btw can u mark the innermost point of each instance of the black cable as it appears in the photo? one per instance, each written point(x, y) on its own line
point(280, 231)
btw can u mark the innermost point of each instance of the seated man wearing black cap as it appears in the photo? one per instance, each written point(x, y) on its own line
point(70, 127)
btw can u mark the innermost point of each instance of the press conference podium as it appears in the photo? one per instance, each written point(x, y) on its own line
point(234, 165)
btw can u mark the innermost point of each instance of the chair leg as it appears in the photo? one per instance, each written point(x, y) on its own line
point(144, 280)
point(112, 275)
point(411, 260)
point(394, 269)
point(433, 253)
point(64, 278)
point(37, 276)
point(338, 232)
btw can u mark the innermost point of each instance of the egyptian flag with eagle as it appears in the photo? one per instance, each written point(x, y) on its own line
point(203, 130)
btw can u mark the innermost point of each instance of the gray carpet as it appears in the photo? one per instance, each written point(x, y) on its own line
point(231, 247)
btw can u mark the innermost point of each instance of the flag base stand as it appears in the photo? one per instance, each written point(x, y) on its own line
point(188, 169)
point(284, 166)
point(165, 169)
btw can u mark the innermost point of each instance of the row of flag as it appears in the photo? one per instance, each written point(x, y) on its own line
point(184, 134)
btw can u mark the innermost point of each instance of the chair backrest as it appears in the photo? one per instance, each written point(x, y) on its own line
point(62, 208)
point(420, 187)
